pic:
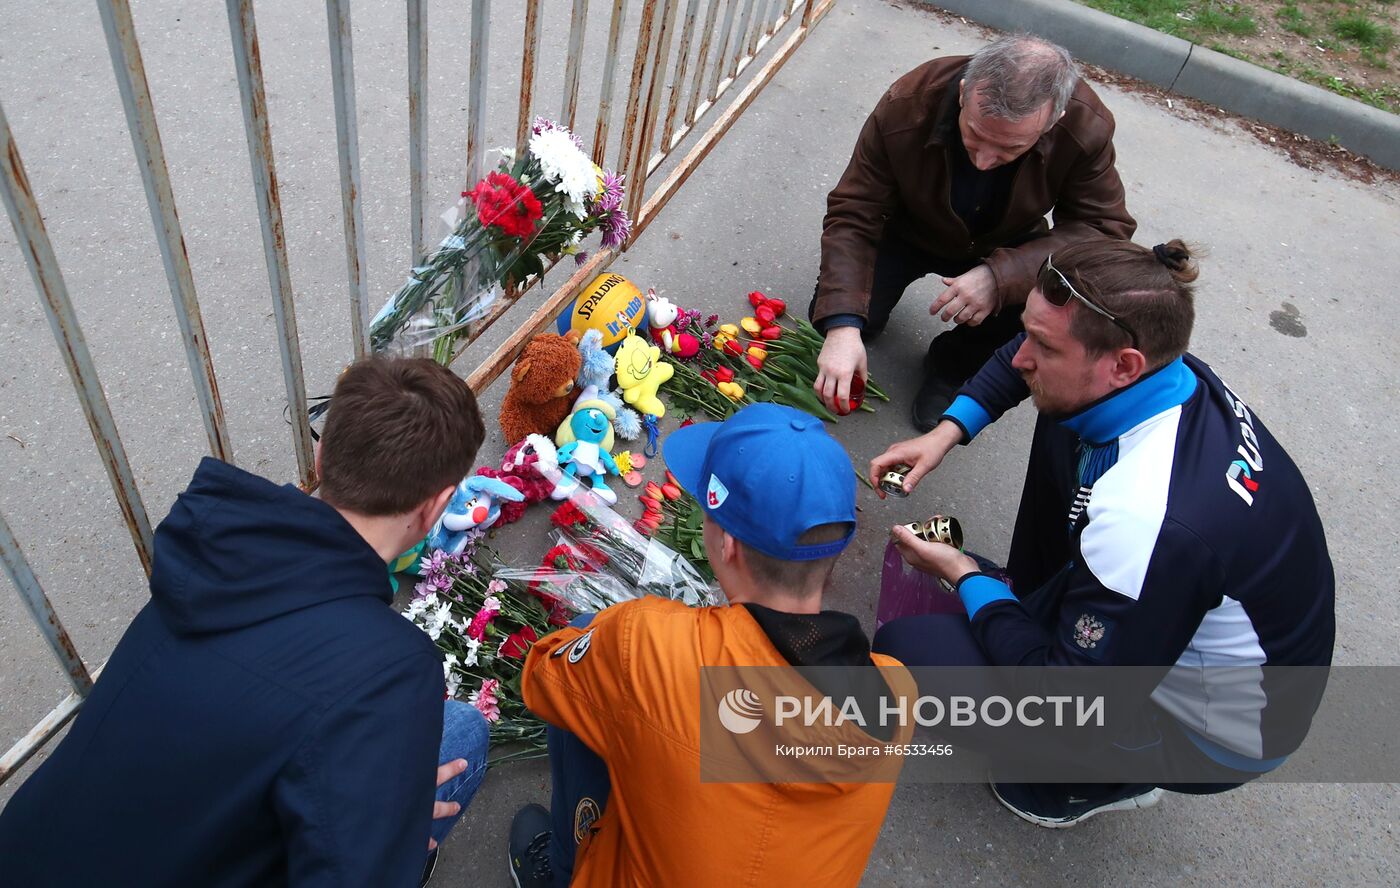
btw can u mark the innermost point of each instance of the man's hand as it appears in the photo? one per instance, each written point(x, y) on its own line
point(445, 773)
point(842, 357)
point(922, 455)
point(970, 299)
point(939, 559)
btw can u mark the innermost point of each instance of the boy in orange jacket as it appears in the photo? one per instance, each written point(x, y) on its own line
point(624, 690)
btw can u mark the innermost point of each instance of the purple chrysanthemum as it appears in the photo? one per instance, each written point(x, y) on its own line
point(435, 563)
point(616, 226)
point(429, 585)
point(580, 257)
point(712, 320)
point(611, 196)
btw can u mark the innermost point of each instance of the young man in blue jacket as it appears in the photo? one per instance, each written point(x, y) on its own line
point(1162, 531)
point(268, 719)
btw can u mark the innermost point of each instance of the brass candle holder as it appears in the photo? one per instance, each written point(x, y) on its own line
point(938, 529)
point(892, 482)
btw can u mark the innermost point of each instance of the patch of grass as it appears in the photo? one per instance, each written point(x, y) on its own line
point(1386, 98)
point(1233, 53)
point(1339, 27)
point(1226, 18)
point(1360, 29)
point(1375, 60)
point(1292, 20)
point(1160, 15)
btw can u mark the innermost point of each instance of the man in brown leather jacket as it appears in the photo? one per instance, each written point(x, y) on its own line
point(953, 174)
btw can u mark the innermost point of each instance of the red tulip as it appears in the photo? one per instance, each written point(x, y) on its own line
point(778, 306)
point(671, 491)
point(756, 299)
point(723, 374)
point(771, 333)
point(764, 313)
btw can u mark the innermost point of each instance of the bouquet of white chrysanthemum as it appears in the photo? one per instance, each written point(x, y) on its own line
point(529, 210)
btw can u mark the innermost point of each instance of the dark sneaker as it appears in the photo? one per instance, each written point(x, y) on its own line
point(428, 868)
point(530, 832)
point(1021, 799)
point(933, 398)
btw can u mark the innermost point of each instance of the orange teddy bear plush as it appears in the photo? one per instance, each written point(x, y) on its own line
point(541, 387)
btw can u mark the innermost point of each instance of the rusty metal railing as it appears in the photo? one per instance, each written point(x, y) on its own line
point(670, 95)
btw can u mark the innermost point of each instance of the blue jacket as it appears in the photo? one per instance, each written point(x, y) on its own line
point(267, 719)
point(1196, 553)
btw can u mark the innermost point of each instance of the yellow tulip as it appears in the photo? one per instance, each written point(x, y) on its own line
point(751, 326)
point(757, 352)
point(728, 330)
point(731, 390)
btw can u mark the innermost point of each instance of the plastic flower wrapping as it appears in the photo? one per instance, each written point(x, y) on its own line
point(527, 212)
point(485, 617)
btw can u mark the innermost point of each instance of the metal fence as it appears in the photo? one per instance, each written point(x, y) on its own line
point(689, 55)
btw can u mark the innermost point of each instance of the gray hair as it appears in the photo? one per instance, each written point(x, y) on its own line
point(1016, 75)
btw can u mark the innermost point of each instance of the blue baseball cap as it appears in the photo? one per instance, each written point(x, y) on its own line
point(767, 475)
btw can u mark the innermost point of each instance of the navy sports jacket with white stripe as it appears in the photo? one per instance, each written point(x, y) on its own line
point(1196, 547)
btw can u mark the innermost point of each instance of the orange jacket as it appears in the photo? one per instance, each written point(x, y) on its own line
point(630, 693)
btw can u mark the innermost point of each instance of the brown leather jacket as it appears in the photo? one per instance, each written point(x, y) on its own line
point(898, 182)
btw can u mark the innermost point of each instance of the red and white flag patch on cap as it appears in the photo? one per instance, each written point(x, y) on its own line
point(716, 493)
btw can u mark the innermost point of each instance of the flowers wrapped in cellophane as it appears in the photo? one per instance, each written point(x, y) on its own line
point(646, 566)
point(530, 210)
point(484, 617)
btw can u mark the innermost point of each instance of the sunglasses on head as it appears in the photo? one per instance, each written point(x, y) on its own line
point(1057, 290)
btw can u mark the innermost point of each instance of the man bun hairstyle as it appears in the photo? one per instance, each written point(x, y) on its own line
point(1150, 290)
point(399, 430)
point(1016, 75)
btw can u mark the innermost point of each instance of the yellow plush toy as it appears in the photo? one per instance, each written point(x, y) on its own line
point(640, 372)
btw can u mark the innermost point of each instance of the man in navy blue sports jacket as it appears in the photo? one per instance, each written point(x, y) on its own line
point(1161, 527)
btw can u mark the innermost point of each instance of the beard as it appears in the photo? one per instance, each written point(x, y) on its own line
point(1045, 403)
point(1037, 393)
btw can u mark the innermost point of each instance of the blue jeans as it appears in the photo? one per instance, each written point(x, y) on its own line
point(465, 735)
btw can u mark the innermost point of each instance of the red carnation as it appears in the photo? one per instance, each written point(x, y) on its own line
point(517, 643)
point(504, 202)
point(567, 515)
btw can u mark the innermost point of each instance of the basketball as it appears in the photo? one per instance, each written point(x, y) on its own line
point(611, 304)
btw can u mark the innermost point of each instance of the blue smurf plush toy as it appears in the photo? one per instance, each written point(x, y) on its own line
point(475, 505)
point(585, 453)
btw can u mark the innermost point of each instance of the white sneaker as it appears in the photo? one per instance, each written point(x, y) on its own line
point(1079, 810)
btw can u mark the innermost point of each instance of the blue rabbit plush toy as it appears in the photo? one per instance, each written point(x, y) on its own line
point(474, 506)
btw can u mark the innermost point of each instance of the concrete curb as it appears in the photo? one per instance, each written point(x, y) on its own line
point(1190, 70)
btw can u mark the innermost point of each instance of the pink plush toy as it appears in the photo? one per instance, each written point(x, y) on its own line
point(526, 467)
point(661, 317)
